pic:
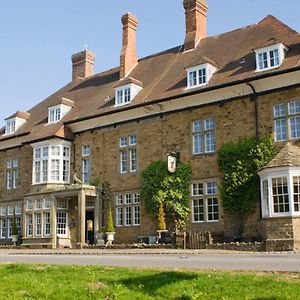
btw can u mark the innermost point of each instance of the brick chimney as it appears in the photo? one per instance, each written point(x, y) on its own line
point(128, 57)
point(83, 64)
point(195, 20)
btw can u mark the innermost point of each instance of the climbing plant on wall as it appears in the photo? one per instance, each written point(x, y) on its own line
point(171, 190)
point(239, 163)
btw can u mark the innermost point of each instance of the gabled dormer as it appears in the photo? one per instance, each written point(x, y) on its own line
point(14, 122)
point(58, 111)
point(127, 90)
point(200, 75)
point(270, 56)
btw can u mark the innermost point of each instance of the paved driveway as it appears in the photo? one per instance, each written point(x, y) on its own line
point(172, 260)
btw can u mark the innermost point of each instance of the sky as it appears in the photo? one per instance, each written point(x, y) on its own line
point(39, 37)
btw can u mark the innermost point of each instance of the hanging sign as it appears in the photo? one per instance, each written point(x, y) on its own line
point(171, 162)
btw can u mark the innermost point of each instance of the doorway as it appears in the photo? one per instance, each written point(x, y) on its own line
point(89, 227)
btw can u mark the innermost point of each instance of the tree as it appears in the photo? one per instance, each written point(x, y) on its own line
point(169, 189)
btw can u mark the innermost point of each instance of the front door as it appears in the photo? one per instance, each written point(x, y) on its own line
point(89, 227)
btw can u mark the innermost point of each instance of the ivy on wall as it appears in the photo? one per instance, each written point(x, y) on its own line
point(171, 190)
point(239, 163)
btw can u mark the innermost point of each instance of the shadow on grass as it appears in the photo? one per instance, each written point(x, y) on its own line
point(151, 283)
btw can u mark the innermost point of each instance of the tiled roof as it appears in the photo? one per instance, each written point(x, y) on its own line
point(163, 75)
point(288, 156)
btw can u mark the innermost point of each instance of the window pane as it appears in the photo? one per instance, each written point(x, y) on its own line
point(279, 110)
point(295, 127)
point(197, 189)
point(212, 209)
point(296, 196)
point(210, 143)
point(197, 126)
point(280, 129)
point(209, 124)
point(294, 107)
point(211, 188)
point(280, 195)
point(198, 210)
point(198, 142)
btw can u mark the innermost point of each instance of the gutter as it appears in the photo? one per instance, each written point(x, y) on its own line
point(254, 98)
point(151, 102)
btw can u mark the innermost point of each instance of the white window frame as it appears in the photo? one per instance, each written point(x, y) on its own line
point(128, 209)
point(205, 133)
point(3, 228)
point(126, 93)
point(200, 75)
point(200, 191)
point(283, 116)
point(267, 204)
point(51, 162)
point(128, 156)
point(12, 174)
point(267, 51)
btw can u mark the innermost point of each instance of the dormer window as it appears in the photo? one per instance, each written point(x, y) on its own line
point(199, 75)
point(14, 122)
point(126, 92)
point(54, 114)
point(123, 96)
point(270, 57)
point(57, 112)
point(10, 126)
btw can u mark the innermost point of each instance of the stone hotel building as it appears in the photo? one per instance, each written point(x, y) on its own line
point(112, 125)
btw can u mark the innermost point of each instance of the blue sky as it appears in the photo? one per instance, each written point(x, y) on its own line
point(39, 37)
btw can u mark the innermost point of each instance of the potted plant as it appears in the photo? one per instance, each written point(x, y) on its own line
point(162, 228)
point(15, 233)
point(110, 230)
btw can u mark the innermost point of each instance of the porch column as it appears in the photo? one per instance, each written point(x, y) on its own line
point(96, 216)
point(81, 218)
point(53, 222)
point(24, 218)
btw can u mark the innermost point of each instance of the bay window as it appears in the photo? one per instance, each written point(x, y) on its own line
point(51, 162)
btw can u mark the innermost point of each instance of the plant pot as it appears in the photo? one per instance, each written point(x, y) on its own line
point(110, 236)
point(14, 239)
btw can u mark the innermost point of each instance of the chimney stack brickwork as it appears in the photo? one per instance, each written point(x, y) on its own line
point(83, 64)
point(128, 58)
point(195, 12)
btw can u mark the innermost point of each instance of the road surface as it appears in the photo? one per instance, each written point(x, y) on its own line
point(232, 261)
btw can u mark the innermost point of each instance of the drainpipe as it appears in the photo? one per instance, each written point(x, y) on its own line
point(254, 99)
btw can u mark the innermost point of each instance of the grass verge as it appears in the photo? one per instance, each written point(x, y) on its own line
point(20, 281)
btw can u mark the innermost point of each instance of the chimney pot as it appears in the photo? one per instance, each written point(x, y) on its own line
point(83, 64)
point(128, 57)
point(195, 19)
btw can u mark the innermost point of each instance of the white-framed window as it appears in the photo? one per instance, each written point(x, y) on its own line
point(12, 174)
point(10, 210)
point(203, 134)
point(54, 115)
point(9, 227)
point(199, 75)
point(29, 225)
point(61, 204)
point(46, 220)
point(2, 210)
point(18, 209)
point(287, 120)
point(37, 204)
point(270, 57)
point(29, 204)
point(47, 203)
point(86, 150)
point(3, 228)
point(18, 223)
point(38, 224)
point(280, 192)
point(61, 223)
point(86, 169)
point(128, 209)
point(128, 154)
point(205, 205)
point(10, 126)
point(51, 163)
point(125, 94)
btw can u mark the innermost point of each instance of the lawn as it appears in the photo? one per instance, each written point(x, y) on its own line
point(75, 282)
